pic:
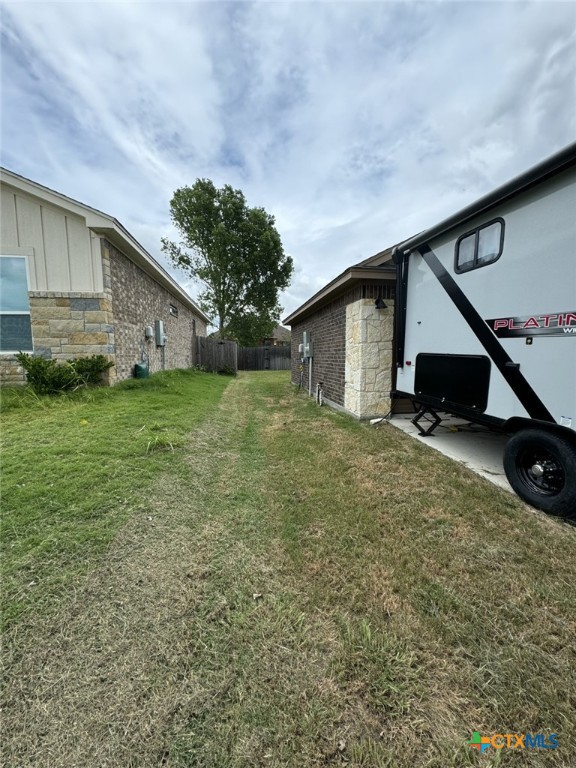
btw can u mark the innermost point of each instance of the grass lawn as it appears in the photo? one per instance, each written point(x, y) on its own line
point(212, 572)
point(75, 468)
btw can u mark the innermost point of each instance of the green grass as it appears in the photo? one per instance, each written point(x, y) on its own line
point(75, 467)
point(295, 589)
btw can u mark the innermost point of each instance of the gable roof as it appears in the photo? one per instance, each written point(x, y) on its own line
point(377, 267)
point(107, 226)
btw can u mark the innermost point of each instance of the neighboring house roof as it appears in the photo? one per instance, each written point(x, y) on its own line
point(107, 226)
point(280, 334)
point(377, 267)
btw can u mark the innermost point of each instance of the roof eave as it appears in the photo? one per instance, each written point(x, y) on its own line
point(338, 285)
point(122, 239)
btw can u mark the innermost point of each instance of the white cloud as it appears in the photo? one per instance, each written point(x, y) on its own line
point(356, 124)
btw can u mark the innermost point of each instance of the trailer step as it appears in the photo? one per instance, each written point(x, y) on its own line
point(435, 420)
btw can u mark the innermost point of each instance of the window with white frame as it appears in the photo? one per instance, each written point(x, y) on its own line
point(15, 325)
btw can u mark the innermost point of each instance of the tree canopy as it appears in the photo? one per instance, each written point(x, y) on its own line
point(234, 252)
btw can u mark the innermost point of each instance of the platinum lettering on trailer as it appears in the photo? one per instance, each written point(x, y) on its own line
point(554, 324)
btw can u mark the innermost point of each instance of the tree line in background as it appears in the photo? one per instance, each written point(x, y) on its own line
point(235, 253)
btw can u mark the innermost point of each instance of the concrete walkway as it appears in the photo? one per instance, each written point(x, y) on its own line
point(472, 445)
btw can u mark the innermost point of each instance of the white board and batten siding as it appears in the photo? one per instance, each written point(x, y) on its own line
point(63, 255)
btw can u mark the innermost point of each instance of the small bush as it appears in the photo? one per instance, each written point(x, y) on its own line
point(47, 377)
point(90, 369)
point(227, 370)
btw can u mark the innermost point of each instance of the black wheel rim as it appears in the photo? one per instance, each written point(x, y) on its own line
point(541, 471)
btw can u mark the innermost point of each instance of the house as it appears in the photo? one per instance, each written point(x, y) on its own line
point(342, 338)
point(75, 282)
point(280, 338)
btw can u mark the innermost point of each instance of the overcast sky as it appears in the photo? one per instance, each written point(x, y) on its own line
point(356, 124)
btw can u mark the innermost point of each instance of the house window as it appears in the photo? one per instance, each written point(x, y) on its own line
point(173, 310)
point(480, 247)
point(15, 326)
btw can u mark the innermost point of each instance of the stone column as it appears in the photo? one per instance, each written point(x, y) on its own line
point(368, 370)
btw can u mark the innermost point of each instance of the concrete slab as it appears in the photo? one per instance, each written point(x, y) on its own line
point(477, 447)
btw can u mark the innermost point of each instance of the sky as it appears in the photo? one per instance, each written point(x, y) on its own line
point(355, 124)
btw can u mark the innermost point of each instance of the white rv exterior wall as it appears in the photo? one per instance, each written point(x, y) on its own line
point(63, 255)
point(536, 274)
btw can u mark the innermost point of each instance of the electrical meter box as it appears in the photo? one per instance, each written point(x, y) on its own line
point(159, 333)
point(306, 344)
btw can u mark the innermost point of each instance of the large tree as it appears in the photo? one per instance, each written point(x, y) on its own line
point(233, 251)
point(249, 329)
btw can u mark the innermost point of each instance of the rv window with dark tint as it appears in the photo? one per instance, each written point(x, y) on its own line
point(480, 247)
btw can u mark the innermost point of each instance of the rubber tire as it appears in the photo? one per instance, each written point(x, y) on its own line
point(560, 504)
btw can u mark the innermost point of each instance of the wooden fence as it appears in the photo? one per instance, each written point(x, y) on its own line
point(264, 358)
point(215, 355)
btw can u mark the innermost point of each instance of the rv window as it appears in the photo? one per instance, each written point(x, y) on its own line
point(489, 242)
point(480, 247)
point(466, 252)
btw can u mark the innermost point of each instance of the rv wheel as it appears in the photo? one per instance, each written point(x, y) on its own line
point(541, 468)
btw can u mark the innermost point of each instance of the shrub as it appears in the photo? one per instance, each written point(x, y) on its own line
point(90, 369)
point(47, 377)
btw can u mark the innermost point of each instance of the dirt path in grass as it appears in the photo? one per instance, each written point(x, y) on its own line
point(103, 681)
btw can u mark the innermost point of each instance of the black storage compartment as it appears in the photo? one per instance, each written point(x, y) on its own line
point(454, 379)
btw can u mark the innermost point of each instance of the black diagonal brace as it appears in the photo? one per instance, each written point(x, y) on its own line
point(498, 355)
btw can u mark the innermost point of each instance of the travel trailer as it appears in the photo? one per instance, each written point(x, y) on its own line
point(486, 325)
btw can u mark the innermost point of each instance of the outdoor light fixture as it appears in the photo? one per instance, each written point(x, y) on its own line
point(379, 303)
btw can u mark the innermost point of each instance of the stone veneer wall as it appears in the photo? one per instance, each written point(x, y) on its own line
point(11, 374)
point(137, 301)
point(368, 370)
point(328, 332)
point(64, 326)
